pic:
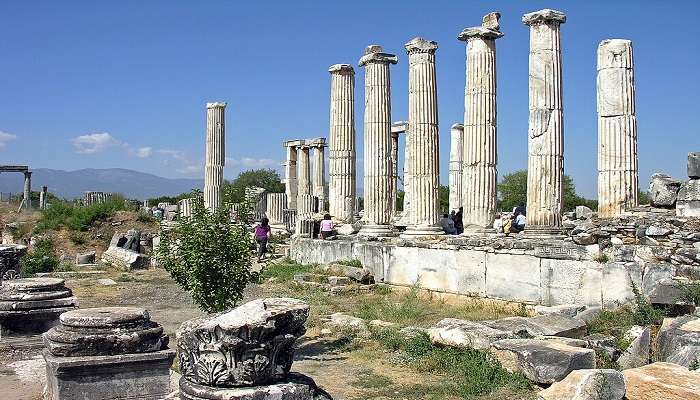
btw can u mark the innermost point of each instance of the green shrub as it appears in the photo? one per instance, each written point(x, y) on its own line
point(208, 256)
point(408, 309)
point(145, 217)
point(77, 238)
point(690, 293)
point(41, 258)
point(75, 217)
point(284, 270)
point(350, 263)
point(644, 313)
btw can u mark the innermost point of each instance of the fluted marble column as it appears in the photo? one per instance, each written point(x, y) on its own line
point(276, 203)
point(342, 155)
point(545, 170)
point(304, 177)
point(455, 177)
point(319, 176)
point(185, 207)
point(394, 169)
point(27, 190)
point(307, 205)
point(422, 143)
point(618, 181)
point(480, 133)
point(215, 155)
point(43, 197)
point(377, 142)
point(290, 172)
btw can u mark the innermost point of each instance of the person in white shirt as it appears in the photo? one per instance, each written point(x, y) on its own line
point(498, 223)
point(519, 223)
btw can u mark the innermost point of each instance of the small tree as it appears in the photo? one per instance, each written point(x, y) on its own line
point(208, 256)
point(512, 190)
point(41, 258)
point(268, 179)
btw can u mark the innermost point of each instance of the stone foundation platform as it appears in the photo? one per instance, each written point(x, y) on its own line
point(144, 376)
point(546, 272)
point(294, 387)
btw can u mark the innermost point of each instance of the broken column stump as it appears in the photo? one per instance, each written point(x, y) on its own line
point(107, 353)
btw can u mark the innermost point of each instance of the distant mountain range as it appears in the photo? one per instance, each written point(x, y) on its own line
point(72, 184)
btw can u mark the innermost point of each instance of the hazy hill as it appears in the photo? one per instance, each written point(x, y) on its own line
point(72, 184)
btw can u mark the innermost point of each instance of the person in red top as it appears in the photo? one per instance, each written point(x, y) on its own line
point(263, 233)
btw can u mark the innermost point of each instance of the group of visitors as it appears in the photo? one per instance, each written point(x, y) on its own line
point(263, 233)
point(513, 223)
point(452, 223)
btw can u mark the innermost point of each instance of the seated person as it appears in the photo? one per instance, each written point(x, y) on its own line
point(326, 227)
point(518, 223)
point(448, 225)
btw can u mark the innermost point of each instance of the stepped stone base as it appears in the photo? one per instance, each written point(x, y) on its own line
point(294, 387)
point(144, 376)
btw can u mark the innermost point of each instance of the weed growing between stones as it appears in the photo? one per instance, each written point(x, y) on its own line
point(284, 270)
point(74, 217)
point(350, 263)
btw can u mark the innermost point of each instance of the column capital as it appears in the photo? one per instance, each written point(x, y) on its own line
point(546, 16)
point(218, 104)
point(374, 54)
point(420, 45)
point(399, 127)
point(341, 69)
point(457, 126)
point(479, 32)
point(615, 53)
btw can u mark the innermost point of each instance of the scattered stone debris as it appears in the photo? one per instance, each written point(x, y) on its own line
point(678, 340)
point(461, 333)
point(662, 380)
point(637, 353)
point(587, 384)
point(541, 325)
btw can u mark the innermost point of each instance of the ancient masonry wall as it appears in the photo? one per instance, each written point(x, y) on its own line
point(541, 274)
point(618, 181)
point(342, 158)
point(215, 155)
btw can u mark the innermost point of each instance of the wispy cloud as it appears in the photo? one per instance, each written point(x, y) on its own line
point(6, 137)
point(93, 143)
point(142, 152)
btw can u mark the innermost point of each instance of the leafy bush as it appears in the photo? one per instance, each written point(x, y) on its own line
point(145, 217)
point(284, 270)
point(75, 217)
point(41, 258)
point(690, 293)
point(207, 256)
point(77, 238)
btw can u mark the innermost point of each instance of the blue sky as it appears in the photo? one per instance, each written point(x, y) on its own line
point(124, 83)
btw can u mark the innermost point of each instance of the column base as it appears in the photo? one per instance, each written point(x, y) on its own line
point(413, 231)
point(543, 232)
point(373, 230)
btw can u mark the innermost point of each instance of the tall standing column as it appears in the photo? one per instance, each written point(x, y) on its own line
point(342, 158)
point(618, 180)
point(304, 177)
point(319, 177)
point(43, 197)
point(27, 190)
point(290, 172)
point(215, 155)
point(455, 177)
point(422, 143)
point(545, 170)
point(394, 169)
point(480, 133)
point(377, 142)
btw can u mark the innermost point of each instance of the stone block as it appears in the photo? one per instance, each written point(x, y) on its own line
point(583, 212)
point(513, 277)
point(339, 280)
point(688, 204)
point(637, 353)
point(542, 361)
point(85, 258)
point(541, 325)
point(694, 165)
point(667, 291)
point(617, 282)
point(344, 322)
point(655, 272)
point(662, 381)
point(109, 377)
point(663, 190)
point(127, 260)
point(361, 275)
point(678, 340)
point(466, 334)
point(603, 343)
point(566, 310)
point(587, 384)
point(571, 282)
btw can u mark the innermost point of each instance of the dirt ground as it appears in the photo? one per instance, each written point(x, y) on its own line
point(351, 375)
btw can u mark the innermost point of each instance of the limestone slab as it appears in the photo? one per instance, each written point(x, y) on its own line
point(662, 381)
point(513, 277)
point(587, 384)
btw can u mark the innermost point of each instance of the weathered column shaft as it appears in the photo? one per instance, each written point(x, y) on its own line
point(291, 180)
point(546, 126)
point(480, 134)
point(43, 197)
point(215, 155)
point(185, 207)
point(307, 204)
point(27, 190)
point(377, 141)
point(618, 181)
point(304, 177)
point(342, 154)
point(276, 203)
point(394, 170)
point(422, 144)
point(319, 177)
point(455, 177)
